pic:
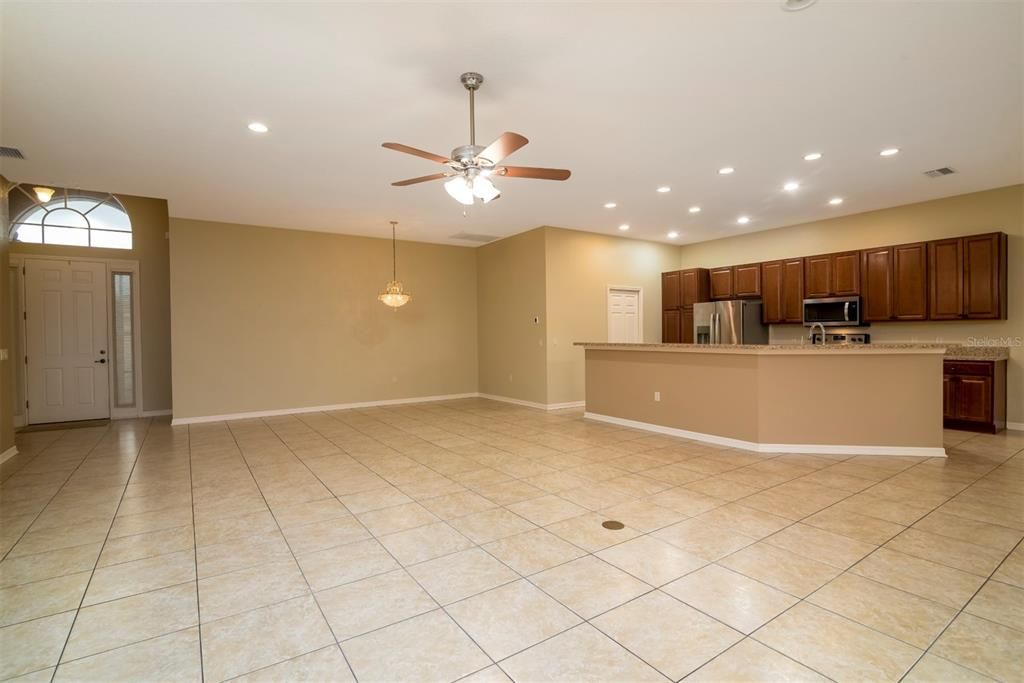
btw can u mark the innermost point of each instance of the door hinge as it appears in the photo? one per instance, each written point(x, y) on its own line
point(24, 315)
point(26, 360)
point(26, 404)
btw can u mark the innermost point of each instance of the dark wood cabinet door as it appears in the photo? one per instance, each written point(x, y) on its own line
point(670, 290)
point(670, 327)
point(910, 282)
point(982, 276)
point(686, 323)
point(949, 402)
point(945, 279)
point(694, 285)
point(877, 284)
point(846, 274)
point(793, 291)
point(746, 281)
point(721, 283)
point(974, 399)
point(771, 291)
point(817, 276)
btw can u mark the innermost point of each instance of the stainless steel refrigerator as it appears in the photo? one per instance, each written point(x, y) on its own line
point(729, 322)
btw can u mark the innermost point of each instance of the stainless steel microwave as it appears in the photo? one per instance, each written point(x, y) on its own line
point(837, 311)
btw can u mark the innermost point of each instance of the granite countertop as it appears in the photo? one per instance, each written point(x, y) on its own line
point(950, 351)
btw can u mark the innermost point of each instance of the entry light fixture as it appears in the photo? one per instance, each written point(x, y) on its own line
point(43, 194)
point(257, 127)
point(393, 294)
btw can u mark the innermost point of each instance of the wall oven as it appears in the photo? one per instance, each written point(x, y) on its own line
point(837, 311)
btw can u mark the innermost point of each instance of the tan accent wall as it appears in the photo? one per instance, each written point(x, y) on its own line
point(268, 319)
point(999, 210)
point(6, 329)
point(150, 249)
point(847, 400)
point(511, 293)
point(579, 269)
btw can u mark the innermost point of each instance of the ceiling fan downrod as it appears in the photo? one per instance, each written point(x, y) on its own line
point(472, 81)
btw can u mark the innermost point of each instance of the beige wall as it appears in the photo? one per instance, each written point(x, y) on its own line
point(511, 293)
point(6, 329)
point(268, 319)
point(579, 267)
point(150, 249)
point(999, 210)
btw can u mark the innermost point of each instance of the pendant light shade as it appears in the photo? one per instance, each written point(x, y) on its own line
point(393, 295)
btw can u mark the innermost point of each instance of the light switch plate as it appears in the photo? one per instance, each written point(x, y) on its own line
point(3, 354)
point(657, 395)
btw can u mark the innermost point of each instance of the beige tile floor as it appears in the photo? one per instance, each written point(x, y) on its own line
point(463, 541)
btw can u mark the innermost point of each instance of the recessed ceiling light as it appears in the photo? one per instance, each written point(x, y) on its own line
point(835, 201)
point(813, 156)
point(672, 235)
point(610, 205)
point(623, 227)
point(796, 5)
point(726, 170)
point(889, 152)
point(694, 209)
point(664, 188)
point(791, 186)
point(743, 220)
point(257, 127)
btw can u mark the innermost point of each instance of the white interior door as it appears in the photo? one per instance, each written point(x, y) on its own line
point(66, 331)
point(624, 316)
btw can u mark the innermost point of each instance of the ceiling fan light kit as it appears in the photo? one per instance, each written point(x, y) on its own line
point(471, 167)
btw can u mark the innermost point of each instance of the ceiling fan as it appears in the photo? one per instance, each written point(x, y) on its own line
point(471, 167)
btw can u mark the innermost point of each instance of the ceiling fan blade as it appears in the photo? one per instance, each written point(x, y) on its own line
point(532, 172)
point(502, 147)
point(421, 179)
point(398, 147)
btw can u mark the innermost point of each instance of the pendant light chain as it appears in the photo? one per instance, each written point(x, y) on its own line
point(394, 252)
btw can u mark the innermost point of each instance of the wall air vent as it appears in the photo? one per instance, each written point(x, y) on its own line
point(473, 237)
point(11, 153)
point(939, 172)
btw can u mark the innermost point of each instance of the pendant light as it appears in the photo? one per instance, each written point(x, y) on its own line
point(393, 295)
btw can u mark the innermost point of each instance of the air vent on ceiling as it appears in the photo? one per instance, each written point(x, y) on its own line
point(11, 153)
point(473, 237)
point(939, 172)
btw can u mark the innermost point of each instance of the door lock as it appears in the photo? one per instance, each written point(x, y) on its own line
point(101, 360)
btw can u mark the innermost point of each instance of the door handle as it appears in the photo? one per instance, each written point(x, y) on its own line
point(101, 360)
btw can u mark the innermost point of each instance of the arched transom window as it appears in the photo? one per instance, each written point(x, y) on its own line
point(74, 218)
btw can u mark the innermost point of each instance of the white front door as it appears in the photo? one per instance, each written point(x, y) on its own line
point(624, 315)
point(66, 334)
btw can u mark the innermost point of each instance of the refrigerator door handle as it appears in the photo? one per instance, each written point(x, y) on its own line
point(715, 331)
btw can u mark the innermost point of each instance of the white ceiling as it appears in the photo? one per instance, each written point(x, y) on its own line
point(153, 99)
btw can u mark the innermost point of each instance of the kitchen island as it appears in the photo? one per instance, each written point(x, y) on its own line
point(880, 399)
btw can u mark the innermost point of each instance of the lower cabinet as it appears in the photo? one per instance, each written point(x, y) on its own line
point(974, 395)
point(686, 321)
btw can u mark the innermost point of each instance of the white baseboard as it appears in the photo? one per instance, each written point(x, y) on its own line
point(827, 449)
point(533, 404)
point(316, 409)
point(1016, 426)
point(8, 454)
point(156, 413)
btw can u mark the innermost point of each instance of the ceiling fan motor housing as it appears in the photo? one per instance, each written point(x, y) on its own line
point(467, 156)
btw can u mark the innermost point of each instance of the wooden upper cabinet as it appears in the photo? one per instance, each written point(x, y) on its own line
point(721, 283)
point(818, 276)
point(910, 282)
point(846, 274)
point(946, 279)
point(695, 286)
point(746, 281)
point(771, 289)
point(782, 289)
point(670, 328)
point(670, 290)
point(877, 284)
point(984, 276)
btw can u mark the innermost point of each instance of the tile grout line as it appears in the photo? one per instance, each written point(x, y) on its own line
point(195, 554)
